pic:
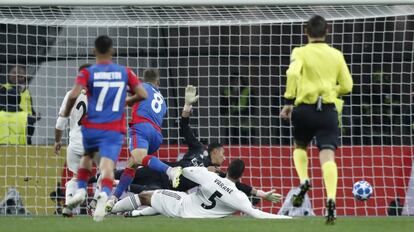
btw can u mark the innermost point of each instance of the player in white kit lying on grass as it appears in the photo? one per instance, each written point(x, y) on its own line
point(216, 197)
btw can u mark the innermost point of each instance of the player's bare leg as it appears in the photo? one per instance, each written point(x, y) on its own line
point(138, 157)
point(330, 177)
point(300, 159)
point(106, 167)
point(83, 174)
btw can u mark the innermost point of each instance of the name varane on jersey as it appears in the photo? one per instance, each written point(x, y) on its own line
point(216, 197)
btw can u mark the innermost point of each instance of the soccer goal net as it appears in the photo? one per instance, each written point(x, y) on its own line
point(237, 57)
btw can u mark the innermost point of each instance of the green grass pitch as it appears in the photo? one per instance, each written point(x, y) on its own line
point(239, 224)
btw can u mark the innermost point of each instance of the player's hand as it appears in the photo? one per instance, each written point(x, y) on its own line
point(269, 196)
point(190, 95)
point(58, 146)
point(286, 112)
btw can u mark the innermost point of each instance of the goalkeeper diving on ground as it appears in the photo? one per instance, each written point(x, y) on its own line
point(216, 197)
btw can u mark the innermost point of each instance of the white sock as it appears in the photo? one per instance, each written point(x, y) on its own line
point(71, 187)
point(168, 172)
point(127, 204)
point(147, 211)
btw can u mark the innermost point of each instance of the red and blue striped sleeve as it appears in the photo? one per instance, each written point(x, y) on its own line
point(82, 78)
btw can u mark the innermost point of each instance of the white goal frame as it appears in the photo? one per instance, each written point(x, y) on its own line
point(199, 2)
point(275, 26)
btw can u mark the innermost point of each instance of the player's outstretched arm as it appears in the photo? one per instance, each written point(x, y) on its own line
point(242, 204)
point(268, 196)
point(191, 97)
point(185, 130)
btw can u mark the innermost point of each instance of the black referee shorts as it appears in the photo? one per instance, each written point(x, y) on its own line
point(309, 123)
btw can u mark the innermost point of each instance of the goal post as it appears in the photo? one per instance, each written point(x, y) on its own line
point(237, 54)
point(198, 2)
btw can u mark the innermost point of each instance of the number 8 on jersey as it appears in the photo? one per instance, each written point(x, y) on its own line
point(146, 123)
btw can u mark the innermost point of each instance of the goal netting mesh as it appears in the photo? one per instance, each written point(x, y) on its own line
point(237, 57)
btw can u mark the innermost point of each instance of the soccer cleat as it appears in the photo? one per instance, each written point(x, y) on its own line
point(174, 175)
point(77, 199)
point(66, 212)
point(330, 212)
point(91, 207)
point(297, 199)
point(130, 214)
point(110, 203)
point(100, 211)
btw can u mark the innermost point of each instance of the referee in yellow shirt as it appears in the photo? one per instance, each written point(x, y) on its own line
point(317, 75)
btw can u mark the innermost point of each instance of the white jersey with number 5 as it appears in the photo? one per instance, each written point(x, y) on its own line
point(78, 111)
point(216, 197)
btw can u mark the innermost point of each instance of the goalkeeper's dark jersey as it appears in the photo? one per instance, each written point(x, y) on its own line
point(197, 155)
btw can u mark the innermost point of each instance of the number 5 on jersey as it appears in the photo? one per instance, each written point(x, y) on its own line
point(212, 199)
point(105, 85)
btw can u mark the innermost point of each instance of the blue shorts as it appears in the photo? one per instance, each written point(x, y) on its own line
point(145, 136)
point(108, 143)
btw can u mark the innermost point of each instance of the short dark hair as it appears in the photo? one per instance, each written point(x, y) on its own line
point(151, 75)
point(86, 65)
point(103, 44)
point(213, 146)
point(316, 27)
point(235, 169)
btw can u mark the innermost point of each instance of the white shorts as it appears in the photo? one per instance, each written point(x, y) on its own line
point(167, 202)
point(73, 157)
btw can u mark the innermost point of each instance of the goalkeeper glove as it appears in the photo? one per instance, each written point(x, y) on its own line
point(190, 95)
point(269, 196)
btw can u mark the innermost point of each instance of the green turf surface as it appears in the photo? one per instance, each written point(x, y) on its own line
point(239, 224)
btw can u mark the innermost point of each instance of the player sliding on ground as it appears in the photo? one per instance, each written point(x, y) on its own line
point(216, 197)
point(75, 150)
point(145, 137)
point(317, 75)
point(104, 126)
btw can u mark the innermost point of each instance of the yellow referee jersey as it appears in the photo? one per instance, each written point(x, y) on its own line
point(316, 69)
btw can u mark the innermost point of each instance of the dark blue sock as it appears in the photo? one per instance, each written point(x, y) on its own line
point(126, 179)
point(156, 164)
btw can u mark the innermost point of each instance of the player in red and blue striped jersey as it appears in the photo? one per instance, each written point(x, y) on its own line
point(145, 137)
point(104, 125)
